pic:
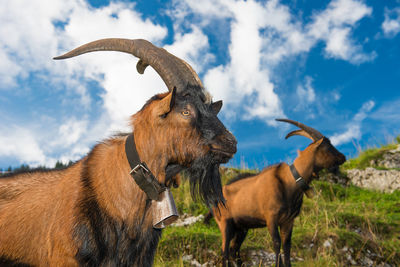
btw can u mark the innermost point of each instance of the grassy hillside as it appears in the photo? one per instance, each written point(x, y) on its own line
point(339, 226)
point(367, 156)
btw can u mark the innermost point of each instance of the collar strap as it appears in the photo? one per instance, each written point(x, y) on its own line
point(140, 172)
point(299, 180)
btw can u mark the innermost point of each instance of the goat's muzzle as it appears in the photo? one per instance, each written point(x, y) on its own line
point(342, 159)
point(334, 169)
point(339, 161)
point(224, 147)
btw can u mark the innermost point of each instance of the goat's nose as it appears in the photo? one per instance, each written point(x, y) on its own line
point(227, 142)
point(231, 138)
point(342, 159)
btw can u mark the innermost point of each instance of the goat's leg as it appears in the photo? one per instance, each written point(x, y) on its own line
point(286, 236)
point(276, 239)
point(237, 242)
point(228, 234)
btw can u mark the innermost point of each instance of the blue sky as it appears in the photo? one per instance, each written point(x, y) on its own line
point(333, 65)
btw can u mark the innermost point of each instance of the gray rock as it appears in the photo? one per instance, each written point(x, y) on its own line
point(350, 259)
point(185, 220)
point(193, 262)
point(365, 261)
point(328, 243)
point(390, 159)
point(370, 178)
point(187, 257)
point(335, 179)
point(378, 179)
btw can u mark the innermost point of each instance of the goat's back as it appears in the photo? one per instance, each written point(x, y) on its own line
point(33, 208)
point(248, 197)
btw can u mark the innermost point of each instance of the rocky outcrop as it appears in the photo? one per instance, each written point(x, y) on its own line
point(383, 175)
point(260, 257)
point(340, 178)
point(370, 178)
point(186, 220)
point(390, 159)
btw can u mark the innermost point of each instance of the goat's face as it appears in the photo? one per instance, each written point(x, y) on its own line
point(187, 128)
point(187, 131)
point(214, 138)
point(327, 156)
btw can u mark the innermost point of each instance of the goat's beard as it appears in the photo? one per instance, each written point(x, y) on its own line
point(205, 181)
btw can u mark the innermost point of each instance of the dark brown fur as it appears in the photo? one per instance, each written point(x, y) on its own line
point(93, 213)
point(272, 199)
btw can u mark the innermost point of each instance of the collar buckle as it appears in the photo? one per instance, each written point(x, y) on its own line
point(299, 179)
point(138, 167)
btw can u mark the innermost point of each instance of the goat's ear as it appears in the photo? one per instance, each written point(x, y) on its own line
point(318, 142)
point(216, 107)
point(167, 103)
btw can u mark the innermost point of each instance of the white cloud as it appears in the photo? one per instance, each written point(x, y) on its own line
point(334, 25)
point(71, 131)
point(388, 112)
point(32, 50)
point(263, 35)
point(244, 82)
point(192, 47)
point(125, 90)
point(28, 35)
point(336, 96)
point(21, 143)
point(34, 31)
point(8, 70)
point(306, 93)
point(207, 8)
point(391, 24)
point(354, 126)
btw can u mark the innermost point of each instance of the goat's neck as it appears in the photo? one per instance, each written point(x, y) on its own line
point(304, 163)
point(113, 186)
point(148, 148)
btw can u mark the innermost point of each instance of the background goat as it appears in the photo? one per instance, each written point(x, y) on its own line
point(93, 213)
point(272, 198)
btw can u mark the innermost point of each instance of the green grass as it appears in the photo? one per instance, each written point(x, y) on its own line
point(351, 217)
point(364, 158)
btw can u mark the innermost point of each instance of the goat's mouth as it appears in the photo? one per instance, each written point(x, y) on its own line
point(225, 153)
point(334, 169)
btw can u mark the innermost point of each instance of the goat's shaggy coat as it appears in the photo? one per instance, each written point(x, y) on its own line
point(93, 213)
point(270, 199)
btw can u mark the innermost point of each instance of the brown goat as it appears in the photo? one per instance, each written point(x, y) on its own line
point(272, 198)
point(93, 213)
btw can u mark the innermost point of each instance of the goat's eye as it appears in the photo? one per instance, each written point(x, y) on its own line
point(185, 113)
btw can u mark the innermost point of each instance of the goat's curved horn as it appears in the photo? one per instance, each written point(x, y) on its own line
point(299, 132)
point(313, 134)
point(174, 71)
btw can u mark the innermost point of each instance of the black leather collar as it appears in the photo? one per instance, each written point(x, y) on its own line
point(299, 180)
point(140, 172)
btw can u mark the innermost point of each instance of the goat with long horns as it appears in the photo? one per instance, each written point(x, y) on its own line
point(272, 198)
point(101, 210)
